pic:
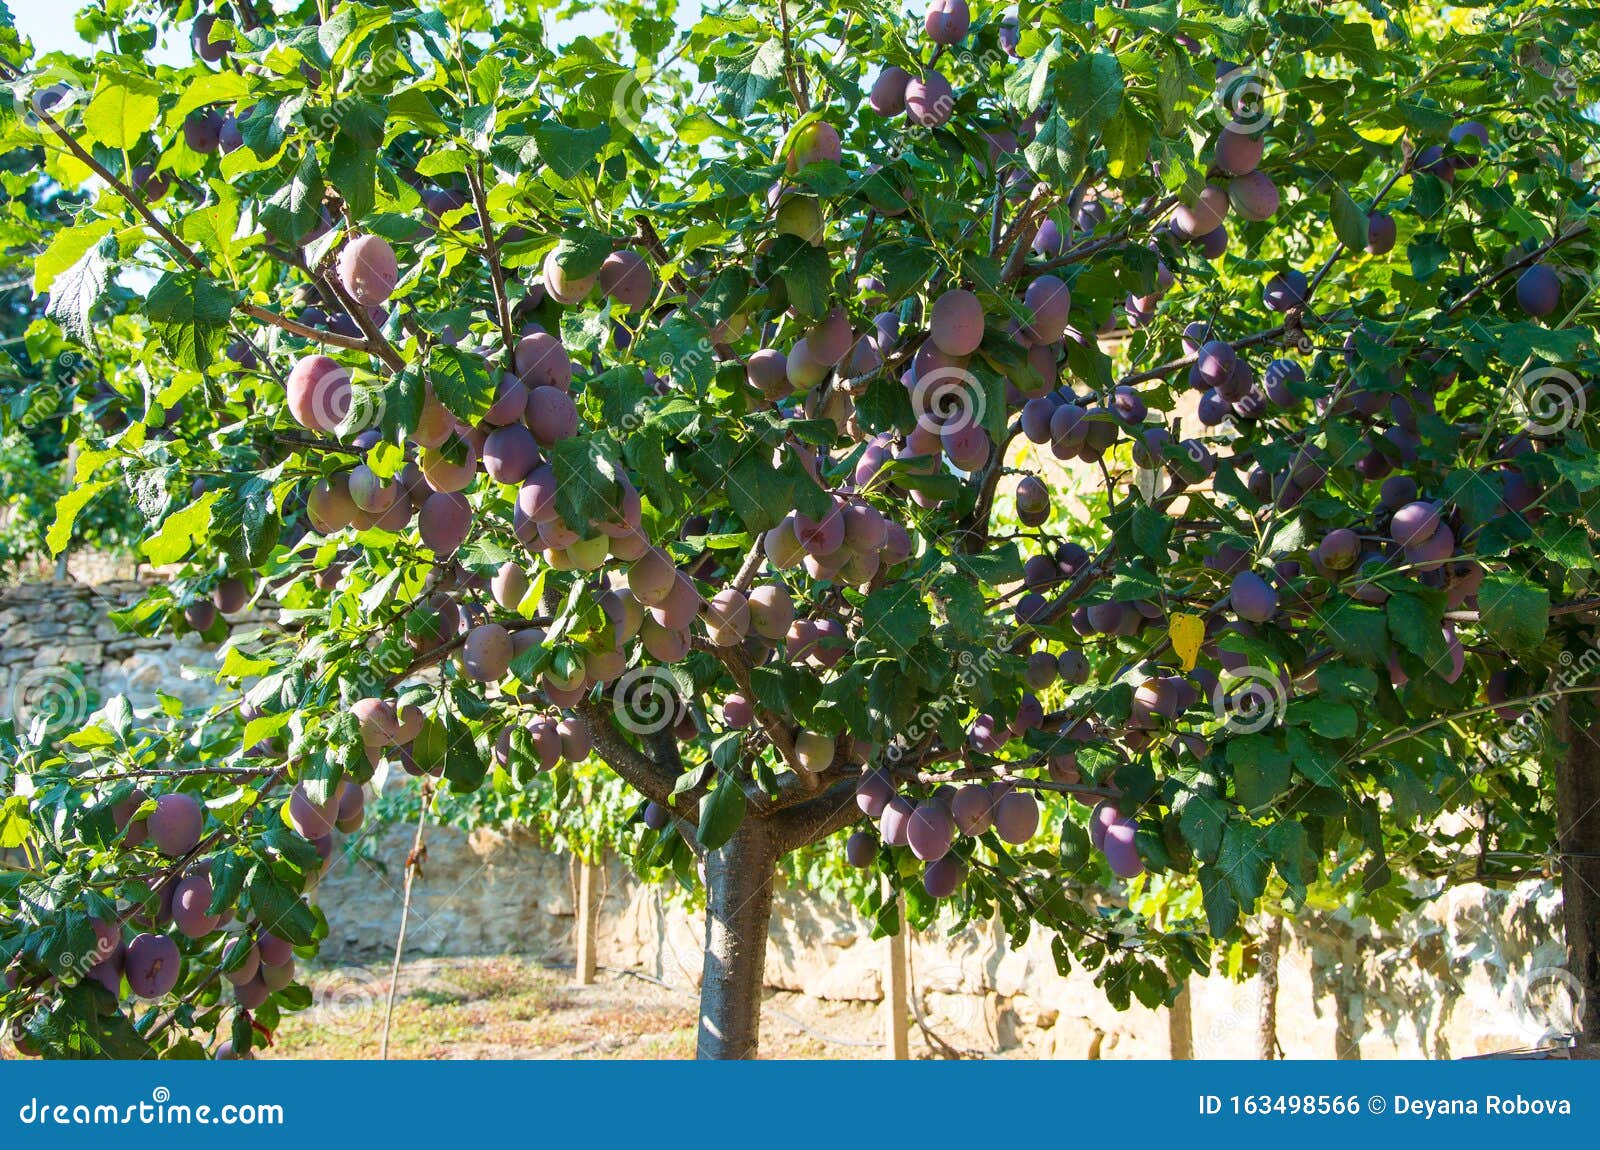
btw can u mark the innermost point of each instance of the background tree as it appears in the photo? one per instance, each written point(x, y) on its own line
point(653, 399)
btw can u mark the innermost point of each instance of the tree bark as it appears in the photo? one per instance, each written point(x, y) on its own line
point(1578, 836)
point(588, 925)
point(738, 908)
point(1267, 1022)
point(1180, 1026)
point(896, 1011)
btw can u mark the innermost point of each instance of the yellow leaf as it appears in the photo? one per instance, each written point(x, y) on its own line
point(1186, 633)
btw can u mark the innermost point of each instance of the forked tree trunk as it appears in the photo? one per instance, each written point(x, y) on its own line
point(738, 908)
point(1578, 833)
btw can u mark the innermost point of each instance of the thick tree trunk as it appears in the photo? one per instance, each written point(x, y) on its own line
point(1578, 833)
point(1267, 1022)
point(738, 908)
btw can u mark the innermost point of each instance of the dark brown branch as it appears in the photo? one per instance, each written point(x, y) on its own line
point(651, 779)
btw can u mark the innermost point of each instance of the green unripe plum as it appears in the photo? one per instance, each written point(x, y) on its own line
point(509, 585)
point(803, 368)
point(814, 143)
point(814, 751)
point(771, 611)
point(565, 289)
point(801, 216)
point(443, 475)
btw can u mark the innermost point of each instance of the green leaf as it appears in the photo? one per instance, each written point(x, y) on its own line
point(581, 252)
point(353, 171)
point(1357, 632)
point(895, 618)
point(1030, 80)
point(1244, 861)
point(1055, 154)
point(569, 151)
point(1260, 770)
point(588, 487)
point(246, 521)
point(67, 248)
point(461, 381)
point(1329, 719)
point(1201, 822)
point(744, 81)
point(181, 531)
point(211, 88)
point(122, 112)
point(1416, 627)
point(190, 312)
point(278, 906)
point(721, 812)
point(75, 290)
point(1514, 612)
point(296, 208)
point(1222, 909)
point(1349, 221)
point(806, 274)
point(67, 508)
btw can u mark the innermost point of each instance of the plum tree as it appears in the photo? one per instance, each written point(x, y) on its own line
point(856, 435)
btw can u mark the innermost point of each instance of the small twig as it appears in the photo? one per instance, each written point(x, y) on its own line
point(413, 860)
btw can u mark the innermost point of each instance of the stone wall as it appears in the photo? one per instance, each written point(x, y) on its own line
point(60, 652)
point(1474, 972)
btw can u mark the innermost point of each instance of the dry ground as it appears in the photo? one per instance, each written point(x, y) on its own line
point(508, 1007)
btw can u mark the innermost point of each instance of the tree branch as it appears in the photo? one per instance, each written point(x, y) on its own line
point(816, 818)
point(632, 766)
